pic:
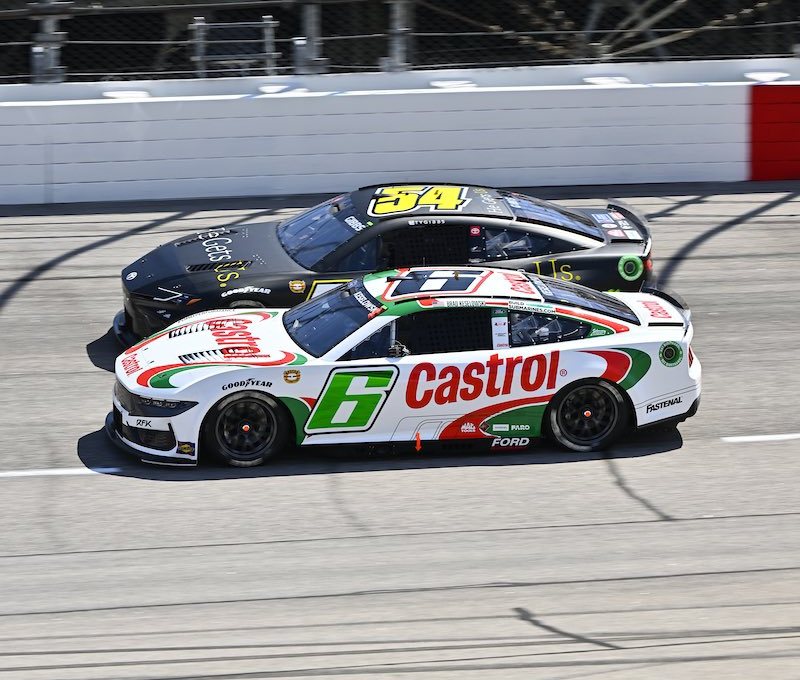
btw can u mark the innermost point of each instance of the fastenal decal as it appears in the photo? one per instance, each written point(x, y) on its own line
point(351, 400)
point(664, 404)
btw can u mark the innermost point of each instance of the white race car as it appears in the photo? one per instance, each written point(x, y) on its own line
point(409, 356)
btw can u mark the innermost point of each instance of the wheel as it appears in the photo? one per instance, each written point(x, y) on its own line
point(246, 428)
point(588, 416)
point(245, 304)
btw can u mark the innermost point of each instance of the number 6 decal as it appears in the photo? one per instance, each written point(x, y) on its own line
point(351, 399)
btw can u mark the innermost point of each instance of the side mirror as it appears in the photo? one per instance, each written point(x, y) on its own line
point(397, 350)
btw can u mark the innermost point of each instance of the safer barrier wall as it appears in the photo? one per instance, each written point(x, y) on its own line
point(333, 133)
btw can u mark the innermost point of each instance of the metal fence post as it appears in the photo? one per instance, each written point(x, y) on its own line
point(300, 55)
point(399, 32)
point(270, 55)
point(46, 45)
point(312, 30)
point(200, 31)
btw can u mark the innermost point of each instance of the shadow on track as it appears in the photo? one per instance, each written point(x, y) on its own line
point(103, 351)
point(97, 452)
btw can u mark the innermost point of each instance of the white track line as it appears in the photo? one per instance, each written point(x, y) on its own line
point(58, 472)
point(761, 438)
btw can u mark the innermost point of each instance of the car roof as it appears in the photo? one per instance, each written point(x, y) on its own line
point(471, 283)
point(468, 200)
point(430, 204)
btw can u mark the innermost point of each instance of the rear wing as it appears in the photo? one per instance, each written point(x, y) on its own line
point(636, 228)
point(675, 300)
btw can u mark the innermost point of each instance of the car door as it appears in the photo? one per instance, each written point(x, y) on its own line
point(370, 396)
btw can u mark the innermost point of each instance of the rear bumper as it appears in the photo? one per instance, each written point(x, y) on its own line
point(675, 420)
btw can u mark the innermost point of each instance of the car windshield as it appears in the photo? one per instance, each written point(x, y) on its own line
point(310, 236)
point(322, 322)
point(529, 209)
point(553, 290)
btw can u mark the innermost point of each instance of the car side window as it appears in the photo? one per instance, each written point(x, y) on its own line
point(374, 347)
point(526, 328)
point(446, 330)
point(494, 244)
point(432, 244)
point(512, 244)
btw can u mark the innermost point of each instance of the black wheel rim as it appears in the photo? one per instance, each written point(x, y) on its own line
point(587, 414)
point(246, 429)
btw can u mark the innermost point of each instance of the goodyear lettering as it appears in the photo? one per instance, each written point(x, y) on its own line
point(664, 404)
point(250, 382)
point(492, 378)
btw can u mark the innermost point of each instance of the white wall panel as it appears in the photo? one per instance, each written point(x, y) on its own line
point(333, 138)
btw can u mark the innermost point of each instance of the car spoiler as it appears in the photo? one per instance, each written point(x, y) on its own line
point(675, 300)
point(638, 221)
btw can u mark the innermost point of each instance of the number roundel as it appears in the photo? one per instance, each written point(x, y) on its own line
point(399, 200)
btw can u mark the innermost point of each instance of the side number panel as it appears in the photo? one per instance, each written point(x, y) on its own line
point(351, 399)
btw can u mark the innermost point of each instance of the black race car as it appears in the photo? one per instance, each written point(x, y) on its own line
point(377, 228)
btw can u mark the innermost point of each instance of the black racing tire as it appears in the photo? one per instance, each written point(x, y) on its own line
point(588, 415)
point(246, 428)
point(245, 303)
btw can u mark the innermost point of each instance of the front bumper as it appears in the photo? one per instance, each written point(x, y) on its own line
point(159, 446)
point(123, 331)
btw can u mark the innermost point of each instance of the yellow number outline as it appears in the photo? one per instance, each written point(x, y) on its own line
point(405, 199)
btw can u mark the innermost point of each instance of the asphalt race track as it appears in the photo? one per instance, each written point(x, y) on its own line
point(675, 556)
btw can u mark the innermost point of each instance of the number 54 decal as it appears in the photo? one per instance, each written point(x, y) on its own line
point(351, 399)
point(398, 200)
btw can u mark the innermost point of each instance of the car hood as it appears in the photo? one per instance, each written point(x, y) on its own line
point(209, 259)
point(208, 343)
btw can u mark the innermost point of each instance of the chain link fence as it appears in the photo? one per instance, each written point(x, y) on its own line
point(134, 39)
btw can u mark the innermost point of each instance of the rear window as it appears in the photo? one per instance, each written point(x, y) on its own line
point(529, 209)
point(556, 291)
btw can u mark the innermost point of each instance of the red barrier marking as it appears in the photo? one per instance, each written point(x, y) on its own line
point(775, 132)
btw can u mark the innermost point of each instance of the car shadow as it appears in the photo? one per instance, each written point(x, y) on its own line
point(98, 453)
point(103, 352)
